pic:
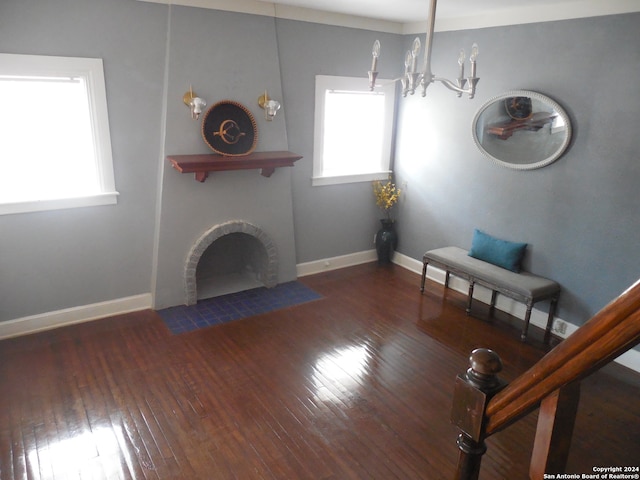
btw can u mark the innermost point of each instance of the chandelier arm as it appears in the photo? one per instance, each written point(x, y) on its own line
point(388, 82)
point(451, 86)
point(470, 90)
point(373, 75)
point(391, 81)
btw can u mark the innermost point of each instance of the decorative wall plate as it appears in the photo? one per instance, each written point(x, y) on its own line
point(518, 108)
point(230, 129)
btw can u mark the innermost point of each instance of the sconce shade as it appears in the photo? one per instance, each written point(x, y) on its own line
point(269, 106)
point(195, 103)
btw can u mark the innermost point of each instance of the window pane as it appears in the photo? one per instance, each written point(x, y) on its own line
point(353, 132)
point(55, 147)
point(46, 152)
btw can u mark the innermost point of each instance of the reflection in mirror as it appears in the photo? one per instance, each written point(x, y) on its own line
point(521, 129)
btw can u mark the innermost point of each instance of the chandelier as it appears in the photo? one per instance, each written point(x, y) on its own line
point(413, 78)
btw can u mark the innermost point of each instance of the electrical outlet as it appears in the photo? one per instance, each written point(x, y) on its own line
point(560, 327)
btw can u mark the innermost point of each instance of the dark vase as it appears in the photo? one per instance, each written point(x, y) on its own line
point(386, 241)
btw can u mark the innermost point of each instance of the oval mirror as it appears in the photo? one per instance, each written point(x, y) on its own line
point(522, 129)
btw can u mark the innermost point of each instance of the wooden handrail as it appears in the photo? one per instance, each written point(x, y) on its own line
point(611, 332)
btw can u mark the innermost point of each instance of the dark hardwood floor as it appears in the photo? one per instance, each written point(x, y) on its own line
point(356, 385)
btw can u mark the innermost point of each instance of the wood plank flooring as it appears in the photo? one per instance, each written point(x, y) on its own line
point(356, 385)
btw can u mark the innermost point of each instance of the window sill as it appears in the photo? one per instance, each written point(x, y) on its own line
point(361, 177)
point(109, 198)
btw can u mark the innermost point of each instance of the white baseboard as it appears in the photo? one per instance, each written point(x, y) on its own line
point(70, 316)
point(630, 359)
point(334, 263)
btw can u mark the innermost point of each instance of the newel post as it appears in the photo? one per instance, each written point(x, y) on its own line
point(472, 393)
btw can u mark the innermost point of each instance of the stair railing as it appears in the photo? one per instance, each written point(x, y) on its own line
point(484, 405)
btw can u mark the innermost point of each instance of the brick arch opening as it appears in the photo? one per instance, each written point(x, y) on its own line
point(230, 257)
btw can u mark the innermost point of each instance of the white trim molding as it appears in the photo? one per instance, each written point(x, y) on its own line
point(91, 185)
point(289, 12)
point(71, 316)
point(447, 19)
point(519, 14)
point(334, 263)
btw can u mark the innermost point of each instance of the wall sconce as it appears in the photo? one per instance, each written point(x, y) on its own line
point(269, 106)
point(195, 103)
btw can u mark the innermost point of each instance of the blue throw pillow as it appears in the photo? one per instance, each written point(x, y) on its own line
point(499, 252)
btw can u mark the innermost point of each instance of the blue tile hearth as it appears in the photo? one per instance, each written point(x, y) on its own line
point(226, 308)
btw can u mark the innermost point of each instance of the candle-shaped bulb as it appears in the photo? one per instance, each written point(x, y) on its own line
point(415, 51)
point(375, 52)
point(474, 52)
point(415, 48)
point(473, 57)
point(461, 57)
point(408, 60)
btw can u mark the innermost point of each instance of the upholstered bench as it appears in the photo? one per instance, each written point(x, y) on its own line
point(523, 286)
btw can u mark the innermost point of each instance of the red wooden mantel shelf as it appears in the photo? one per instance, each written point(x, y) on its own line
point(202, 164)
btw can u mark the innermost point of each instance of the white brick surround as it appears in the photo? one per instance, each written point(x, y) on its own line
point(269, 277)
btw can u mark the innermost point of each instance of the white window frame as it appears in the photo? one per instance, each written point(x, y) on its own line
point(91, 70)
point(352, 84)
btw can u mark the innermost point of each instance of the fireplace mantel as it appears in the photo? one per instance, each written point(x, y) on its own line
point(202, 164)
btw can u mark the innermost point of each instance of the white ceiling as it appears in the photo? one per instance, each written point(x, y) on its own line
point(409, 16)
point(409, 11)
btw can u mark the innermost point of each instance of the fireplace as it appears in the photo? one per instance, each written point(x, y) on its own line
point(244, 216)
point(228, 258)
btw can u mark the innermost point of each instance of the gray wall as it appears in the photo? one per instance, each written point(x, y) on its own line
point(337, 219)
point(580, 215)
point(67, 258)
point(213, 51)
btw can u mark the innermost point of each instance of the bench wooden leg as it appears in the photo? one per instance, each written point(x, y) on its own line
point(527, 318)
point(470, 299)
point(492, 306)
point(552, 313)
point(446, 279)
point(424, 276)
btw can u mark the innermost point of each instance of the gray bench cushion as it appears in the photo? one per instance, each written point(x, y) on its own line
point(524, 284)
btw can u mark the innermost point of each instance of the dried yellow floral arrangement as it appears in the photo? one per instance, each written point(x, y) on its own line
point(387, 196)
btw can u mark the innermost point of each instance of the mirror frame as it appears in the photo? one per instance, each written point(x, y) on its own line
point(541, 98)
